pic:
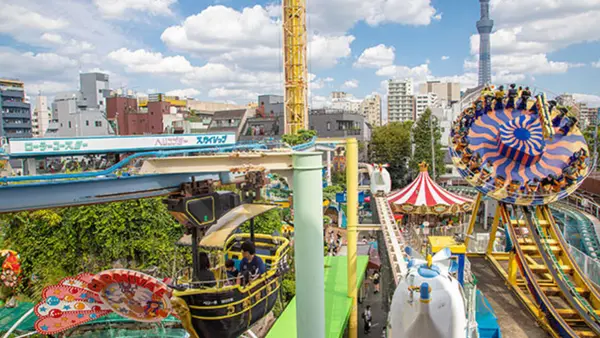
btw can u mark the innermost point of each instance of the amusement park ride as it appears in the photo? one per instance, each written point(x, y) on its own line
point(527, 153)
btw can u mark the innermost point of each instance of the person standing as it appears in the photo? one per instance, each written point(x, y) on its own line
point(376, 280)
point(367, 318)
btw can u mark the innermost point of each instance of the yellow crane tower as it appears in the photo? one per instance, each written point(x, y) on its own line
point(294, 64)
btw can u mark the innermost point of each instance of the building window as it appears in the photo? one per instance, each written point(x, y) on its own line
point(69, 124)
point(87, 123)
point(98, 123)
point(328, 126)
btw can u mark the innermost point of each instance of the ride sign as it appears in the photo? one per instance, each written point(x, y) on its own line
point(115, 144)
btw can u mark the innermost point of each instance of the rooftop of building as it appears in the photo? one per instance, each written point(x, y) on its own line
point(229, 114)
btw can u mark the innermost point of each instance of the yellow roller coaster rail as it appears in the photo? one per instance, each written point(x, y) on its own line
point(541, 272)
point(294, 47)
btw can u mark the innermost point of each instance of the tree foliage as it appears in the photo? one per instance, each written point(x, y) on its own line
point(57, 243)
point(588, 133)
point(422, 134)
point(330, 191)
point(303, 136)
point(266, 223)
point(391, 144)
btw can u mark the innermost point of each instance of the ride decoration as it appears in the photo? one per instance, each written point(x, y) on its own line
point(11, 268)
point(517, 149)
point(425, 197)
point(86, 297)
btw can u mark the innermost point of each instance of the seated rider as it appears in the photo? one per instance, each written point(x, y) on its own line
point(562, 112)
point(571, 174)
point(570, 122)
point(475, 163)
point(533, 186)
point(486, 171)
point(251, 265)
point(512, 96)
point(205, 276)
point(232, 273)
point(499, 96)
point(559, 183)
point(525, 95)
point(487, 95)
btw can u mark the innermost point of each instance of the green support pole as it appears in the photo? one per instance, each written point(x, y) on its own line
point(308, 245)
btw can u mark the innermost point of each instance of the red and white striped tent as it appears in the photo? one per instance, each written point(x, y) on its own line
point(425, 197)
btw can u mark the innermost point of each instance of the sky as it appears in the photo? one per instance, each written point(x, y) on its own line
point(231, 50)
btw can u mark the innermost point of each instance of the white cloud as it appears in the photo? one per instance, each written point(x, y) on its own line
point(30, 65)
point(337, 16)
point(523, 64)
point(219, 29)
point(239, 94)
point(14, 19)
point(319, 101)
point(68, 47)
point(184, 93)
point(142, 61)
point(591, 100)
point(596, 64)
point(418, 74)
point(248, 38)
point(325, 51)
point(216, 79)
point(49, 88)
point(315, 83)
point(117, 8)
point(376, 57)
point(351, 84)
point(445, 57)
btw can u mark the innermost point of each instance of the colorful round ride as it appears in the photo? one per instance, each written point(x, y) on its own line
point(519, 150)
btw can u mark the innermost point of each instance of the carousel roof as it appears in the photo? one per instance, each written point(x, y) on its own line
point(424, 196)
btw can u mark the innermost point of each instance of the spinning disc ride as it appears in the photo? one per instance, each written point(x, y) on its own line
point(527, 153)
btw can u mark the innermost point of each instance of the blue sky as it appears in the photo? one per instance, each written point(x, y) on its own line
point(230, 50)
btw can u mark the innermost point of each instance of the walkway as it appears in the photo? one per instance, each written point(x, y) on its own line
point(377, 311)
point(337, 303)
point(513, 318)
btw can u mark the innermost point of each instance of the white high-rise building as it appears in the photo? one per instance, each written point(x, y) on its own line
point(345, 101)
point(401, 102)
point(445, 91)
point(370, 108)
point(424, 101)
point(41, 117)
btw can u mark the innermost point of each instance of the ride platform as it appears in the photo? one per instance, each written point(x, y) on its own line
point(337, 303)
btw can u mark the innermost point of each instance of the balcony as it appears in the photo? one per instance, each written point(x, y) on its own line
point(25, 115)
point(15, 134)
point(15, 104)
point(15, 125)
point(12, 94)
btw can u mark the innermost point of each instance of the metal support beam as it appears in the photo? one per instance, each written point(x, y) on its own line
point(308, 245)
point(352, 196)
point(473, 218)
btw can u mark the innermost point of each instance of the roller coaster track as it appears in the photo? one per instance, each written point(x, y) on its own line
point(394, 241)
point(558, 292)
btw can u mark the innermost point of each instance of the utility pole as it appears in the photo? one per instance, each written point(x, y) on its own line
point(432, 144)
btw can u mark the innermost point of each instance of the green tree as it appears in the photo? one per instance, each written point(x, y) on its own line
point(391, 144)
point(303, 136)
point(266, 223)
point(427, 126)
point(330, 191)
point(62, 242)
point(588, 133)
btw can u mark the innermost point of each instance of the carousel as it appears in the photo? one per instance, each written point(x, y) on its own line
point(425, 197)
